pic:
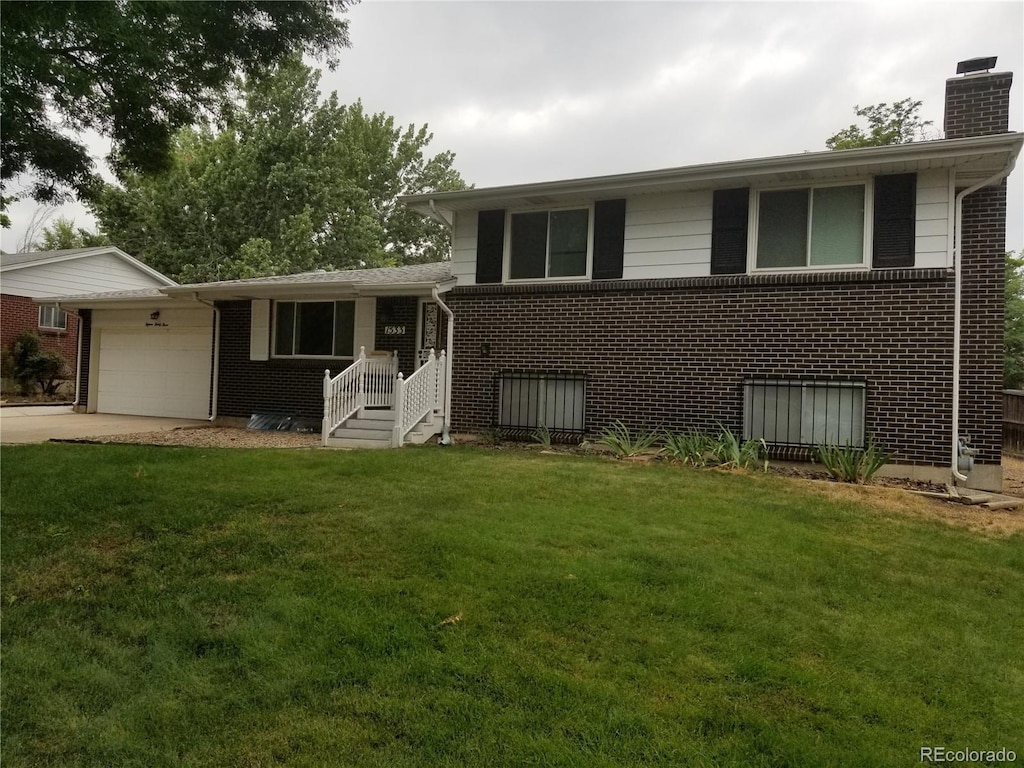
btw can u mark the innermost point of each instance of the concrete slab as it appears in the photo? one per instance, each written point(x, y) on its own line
point(38, 424)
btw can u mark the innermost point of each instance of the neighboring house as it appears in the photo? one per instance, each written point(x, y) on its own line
point(27, 276)
point(824, 297)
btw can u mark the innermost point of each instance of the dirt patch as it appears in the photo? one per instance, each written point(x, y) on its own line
point(219, 437)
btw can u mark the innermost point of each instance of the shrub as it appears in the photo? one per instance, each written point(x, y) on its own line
point(542, 436)
point(624, 443)
point(852, 465)
point(689, 447)
point(32, 368)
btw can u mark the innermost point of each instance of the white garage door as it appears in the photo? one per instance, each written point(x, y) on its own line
point(155, 373)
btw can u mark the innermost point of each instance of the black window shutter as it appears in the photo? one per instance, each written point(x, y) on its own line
point(729, 231)
point(609, 238)
point(490, 246)
point(895, 219)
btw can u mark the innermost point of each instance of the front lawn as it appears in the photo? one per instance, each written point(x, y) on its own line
point(465, 607)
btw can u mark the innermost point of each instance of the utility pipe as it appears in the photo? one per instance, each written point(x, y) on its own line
point(446, 438)
point(216, 353)
point(958, 271)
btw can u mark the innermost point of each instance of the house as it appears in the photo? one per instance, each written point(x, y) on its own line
point(827, 297)
point(27, 276)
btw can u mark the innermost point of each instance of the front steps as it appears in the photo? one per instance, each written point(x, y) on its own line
point(373, 428)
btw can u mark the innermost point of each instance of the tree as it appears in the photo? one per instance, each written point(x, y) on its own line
point(32, 368)
point(1013, 339)
point(896, 123)
point(288, 185)
point(63, 234)
point(135, 72)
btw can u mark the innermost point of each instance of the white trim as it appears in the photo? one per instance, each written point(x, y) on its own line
point(58, 314)
point(334, 302)
point(754, 209)
point(506, 257)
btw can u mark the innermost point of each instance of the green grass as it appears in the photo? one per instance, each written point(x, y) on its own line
point(449, 607)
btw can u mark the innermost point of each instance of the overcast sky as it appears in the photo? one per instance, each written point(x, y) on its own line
point(536, 91)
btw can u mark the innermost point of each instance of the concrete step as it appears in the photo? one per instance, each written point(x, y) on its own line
point(358, 423)
point(338, 442)
point(362, 434)
point(376, 414)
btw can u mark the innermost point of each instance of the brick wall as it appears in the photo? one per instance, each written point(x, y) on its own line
point(19, 313)
point(245, 386)
point(398, 311)
point(85, 315)
point(674, 353)
point(977, 105)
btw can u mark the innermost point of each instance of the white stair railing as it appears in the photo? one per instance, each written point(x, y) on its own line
point(369, 381)
point(416, 397)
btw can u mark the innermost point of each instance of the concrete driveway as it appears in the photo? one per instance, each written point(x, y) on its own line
point(39, 423)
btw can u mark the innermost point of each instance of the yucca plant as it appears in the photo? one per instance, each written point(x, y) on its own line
point(689, 447)
point(852, 465)
point(623, 442)
point(729, 452)
point(542, 436)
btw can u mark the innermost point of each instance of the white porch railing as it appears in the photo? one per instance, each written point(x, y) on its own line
point(369, 381)
point(420, 394)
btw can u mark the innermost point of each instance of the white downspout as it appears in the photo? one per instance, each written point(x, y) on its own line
point(957, 265)
point(216, 354)
point(446, 438)
point(78, 358)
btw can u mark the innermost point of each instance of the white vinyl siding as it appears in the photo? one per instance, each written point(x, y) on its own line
point(668, 235)
point(97, 273)
point(934, 220)
point(464, 247)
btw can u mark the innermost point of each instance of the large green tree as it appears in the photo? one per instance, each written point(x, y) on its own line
point(896, 123)
point(136, 72)
point(1013, 339)
point(63, 234)
point(289, 184)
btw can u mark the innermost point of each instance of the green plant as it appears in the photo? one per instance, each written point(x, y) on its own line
point(729, 452)
point(689, 447)
point(623, 442)
point(852, 465)
point(32, 368)
point(542, 436)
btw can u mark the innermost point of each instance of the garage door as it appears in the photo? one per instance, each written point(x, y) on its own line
point(155, 373)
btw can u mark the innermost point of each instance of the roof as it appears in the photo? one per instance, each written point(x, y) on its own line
point(414, 279)
point(14, 261)
point(975, 159)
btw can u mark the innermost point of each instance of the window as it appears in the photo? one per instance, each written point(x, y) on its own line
point(804, 412)
point(527, 401)
point(314, 328)
point(547, 244)
point(812, 228)
point(50, 316)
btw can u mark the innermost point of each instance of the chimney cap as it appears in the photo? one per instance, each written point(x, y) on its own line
point(975, 65)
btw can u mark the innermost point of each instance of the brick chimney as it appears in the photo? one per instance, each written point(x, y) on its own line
point(977, 102)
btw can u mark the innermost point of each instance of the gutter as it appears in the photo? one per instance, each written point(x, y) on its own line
point(958, 269)
point(78, 356)
point(446, 428)
point(216, 354)
point(446, 437)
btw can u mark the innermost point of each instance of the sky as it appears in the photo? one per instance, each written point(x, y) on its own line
point(540, 91)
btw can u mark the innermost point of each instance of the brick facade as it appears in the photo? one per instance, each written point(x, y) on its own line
point(398, 311)
point(278, 386)
point(20, 313)
point(675, 353)
point(977, 105)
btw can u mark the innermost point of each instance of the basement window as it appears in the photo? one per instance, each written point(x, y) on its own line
point(314, 328)
point(52, 318)
point(528, 401)
point(804, 413)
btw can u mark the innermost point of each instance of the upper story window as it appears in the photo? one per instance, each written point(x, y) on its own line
point(314, 328)
point(549, 244)
point(52, 318)
point(812, 228)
